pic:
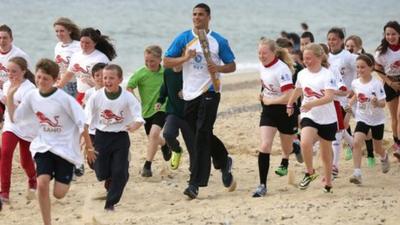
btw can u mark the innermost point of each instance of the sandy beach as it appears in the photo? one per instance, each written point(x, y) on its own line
point(159, 200)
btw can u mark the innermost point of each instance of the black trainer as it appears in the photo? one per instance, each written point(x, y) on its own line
point(166, 152)
point(227, 177)
point(79, 171)
point(191, 191)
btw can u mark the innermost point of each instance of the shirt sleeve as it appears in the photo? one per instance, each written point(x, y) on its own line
point(90, 111)
point(285, 80)
point(176, 47)
point(24, 110)
point(330, 81)
point(380, 92)
point(135, 109)
point(134, 80)
point(378, 59)
point(298, 81)
point(76, 113)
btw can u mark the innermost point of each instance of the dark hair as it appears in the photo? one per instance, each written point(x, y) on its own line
point(23, 64)
point(204, 6)
point(284, 34)
point(116, 68)
point(383, 47)
point(367, 58)
point(338, 31)
point(103, 43)
point(309, 35)
point(70, 26)
point(49, 67)
point(304, 26)
point(97, 67)
point(7, 29)
point(284, 43)
point(294, 37)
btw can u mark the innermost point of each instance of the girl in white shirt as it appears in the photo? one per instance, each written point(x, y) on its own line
point(318, 116)
point(388, 67)
point(68, 34)
point(369, 97)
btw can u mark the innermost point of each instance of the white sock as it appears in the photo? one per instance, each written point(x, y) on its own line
point(336, 149)
point(348, 138)
point(357, 172)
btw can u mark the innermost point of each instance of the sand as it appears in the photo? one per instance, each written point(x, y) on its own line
point(159, 200)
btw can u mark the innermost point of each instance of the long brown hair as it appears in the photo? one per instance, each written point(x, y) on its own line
point(70, 26)
point(23, 64)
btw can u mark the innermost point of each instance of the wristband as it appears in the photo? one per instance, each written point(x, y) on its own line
point(289, 106)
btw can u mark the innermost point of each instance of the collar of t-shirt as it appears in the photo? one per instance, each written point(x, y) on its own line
point(272, 63)
point(113, 95)
point(394, 48)
point(49, 93)
point(337, 53)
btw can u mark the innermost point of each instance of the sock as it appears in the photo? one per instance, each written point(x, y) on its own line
point(285, 163)
point(348, 138)
point(336, 149)
point(357, 171)
point(263, 167)
point(370, 148)
point(147, 165)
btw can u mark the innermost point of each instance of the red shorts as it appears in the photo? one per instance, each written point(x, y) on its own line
point(339, 115)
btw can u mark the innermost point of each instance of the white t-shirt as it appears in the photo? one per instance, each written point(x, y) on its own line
point(365, 112)
point(81, 65)
point(63, 53)
point(314, 86)
point(61, 120)
point(345, 64)
point(26, 129)
point(275, 79)
point(112, 115)
point(88, 94)
point(390, 62)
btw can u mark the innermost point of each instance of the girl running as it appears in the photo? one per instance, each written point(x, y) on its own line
point(388, 67)
point(369, 97)
point(275, 68)
point(14, 133)
point(318, 117)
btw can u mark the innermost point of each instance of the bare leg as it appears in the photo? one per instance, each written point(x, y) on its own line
point(359, 139)
point(43, 186)
point(308, 135)
point(326, 155)
point(154, 141)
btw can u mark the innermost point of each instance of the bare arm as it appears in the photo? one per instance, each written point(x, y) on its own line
point(170, 62)
point(134, 126)
point(89, 150)
point(10, 101)
point(281, 100)
point(328, 97)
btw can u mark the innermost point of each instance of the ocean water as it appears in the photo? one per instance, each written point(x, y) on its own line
point(134, 24)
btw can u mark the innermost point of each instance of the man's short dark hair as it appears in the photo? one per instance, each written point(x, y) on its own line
point(203, 6)
point(308, 34)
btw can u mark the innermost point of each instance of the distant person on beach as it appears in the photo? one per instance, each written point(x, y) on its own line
point(68, 35)
point(202, 98)
point(148, 79)
point(387, 59)
point(171, 92)
point(95, 48)
point(14, 133)
point(318, 117)
point(113, 112)
point(304, 26)
point(369, 97)
point(341, 63)
point(56, 148)
point(276, 69)
point(7, 51)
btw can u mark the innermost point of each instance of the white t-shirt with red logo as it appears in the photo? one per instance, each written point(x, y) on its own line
point(26, 129)
point(63, 53)
point(344, 63)
point(81, 65)
point(275, 79)
point(61, 121)
point(112, 115)
point(365, 111)
point(390, 62)
point(314, 86)
point(88, 94)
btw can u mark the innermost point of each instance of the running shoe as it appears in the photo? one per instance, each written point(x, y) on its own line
point(307, 180)
point(146, 172)
point(191, 191)
point(281, 171)
point(175, 159)
point(335, 172)
point(327, 189)
point(385, 164)
point(355, 179)
point(79, 171)
point(166, 152)
point(297, 151)
point(261, 190)
point(109, 208)
point(371, 162)
point(348, 153)
point(227, 177)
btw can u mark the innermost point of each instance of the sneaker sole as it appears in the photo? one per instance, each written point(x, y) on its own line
point(232, 187)
point(355, 181)
point(190, 194)
point(280, 174)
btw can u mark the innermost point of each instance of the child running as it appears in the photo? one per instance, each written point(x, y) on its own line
point(112, 111)
point(56, 147)
point(318, 117)
point(369, 96)
point(14, 133)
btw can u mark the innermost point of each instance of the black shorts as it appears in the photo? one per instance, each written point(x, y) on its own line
point(390, 93)
point(158, 119)
point(276, 116)
point(377, 131)
point(325, 131)
point(55, 166)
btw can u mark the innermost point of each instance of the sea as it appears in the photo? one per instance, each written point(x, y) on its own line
point(133, 24)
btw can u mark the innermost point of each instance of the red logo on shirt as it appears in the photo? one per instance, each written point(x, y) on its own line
point(77, 68)
point(59, 60)
point(308, 92)
point(109, 115)
point(395, 65)
point(362, 98)
point(43, 119)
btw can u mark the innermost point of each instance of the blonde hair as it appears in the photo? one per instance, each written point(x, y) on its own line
point(319, 52)
point(279, 52)
point(154, 50)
